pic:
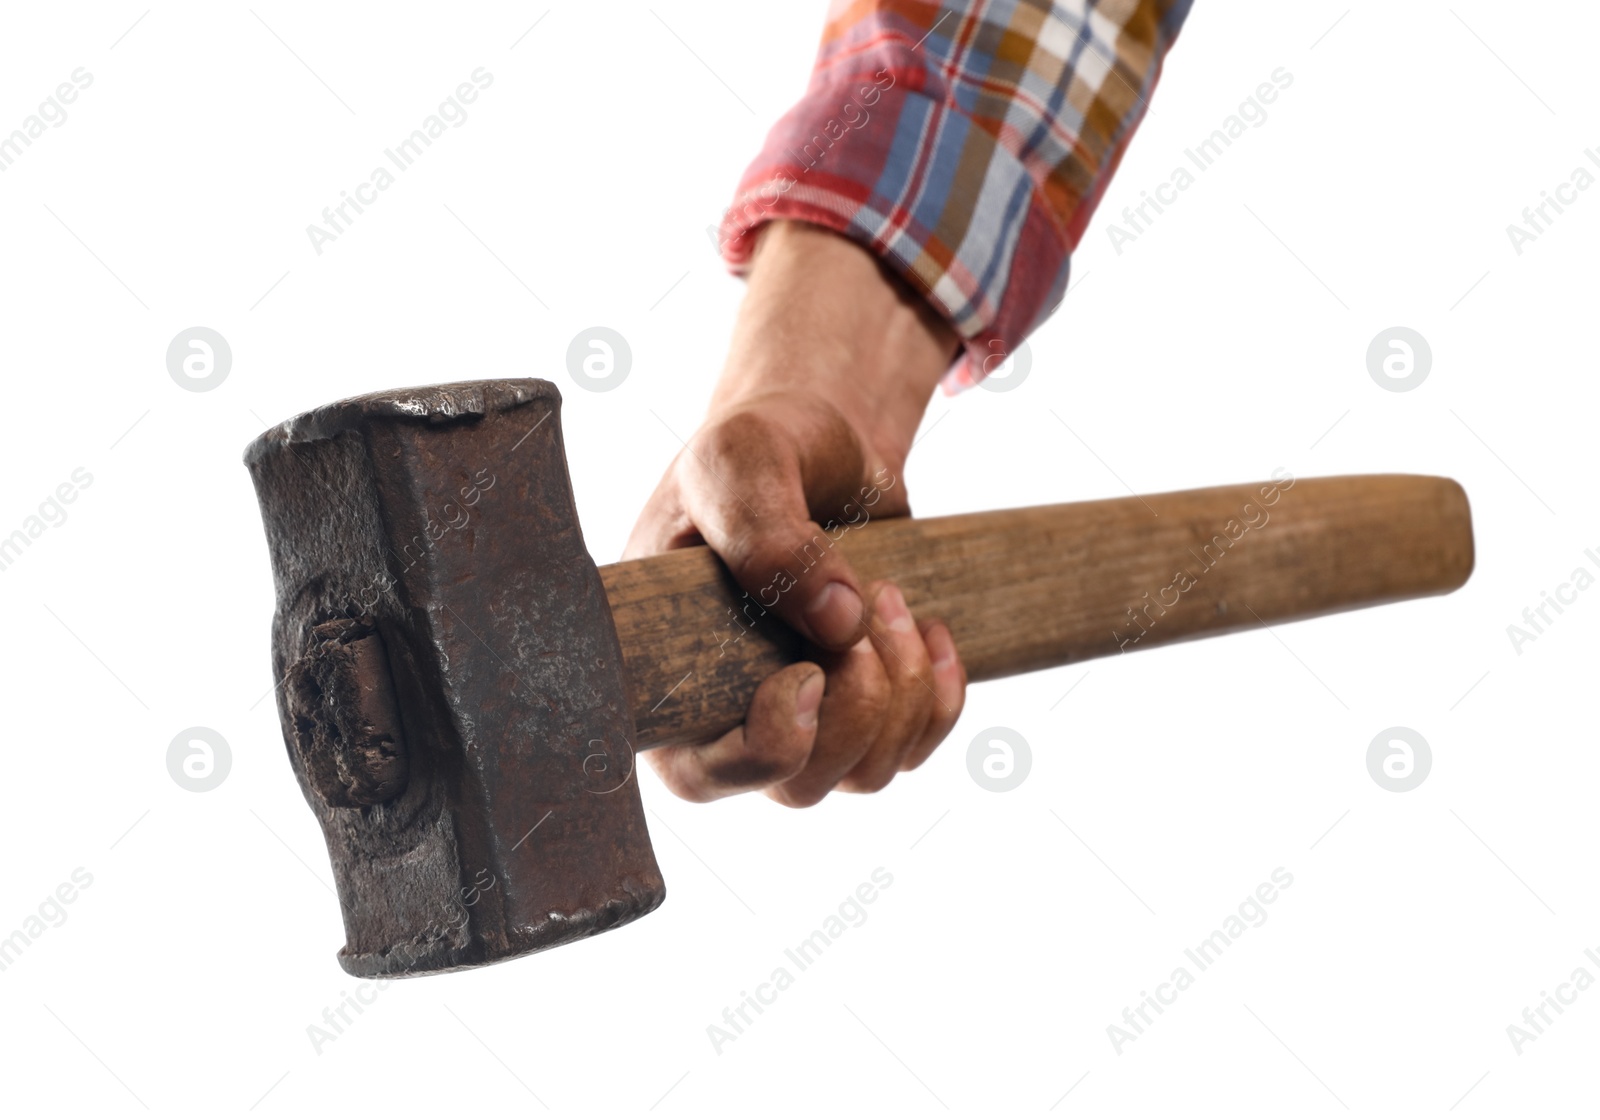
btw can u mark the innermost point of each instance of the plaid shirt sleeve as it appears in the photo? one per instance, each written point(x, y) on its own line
point(966, 143)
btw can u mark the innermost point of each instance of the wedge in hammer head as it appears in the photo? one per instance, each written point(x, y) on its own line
point(452, 688)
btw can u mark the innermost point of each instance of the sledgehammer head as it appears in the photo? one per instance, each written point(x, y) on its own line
point(451, 687)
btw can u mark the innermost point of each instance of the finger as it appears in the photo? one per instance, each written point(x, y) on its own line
point(949, 678)
point(663, 522)
point(852, 713)
point(912, 699)
point(751, 491)
point(774, 743)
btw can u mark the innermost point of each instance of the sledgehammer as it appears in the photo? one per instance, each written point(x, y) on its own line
point(464, 691)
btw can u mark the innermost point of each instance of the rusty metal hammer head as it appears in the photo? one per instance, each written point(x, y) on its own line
point(452, 689)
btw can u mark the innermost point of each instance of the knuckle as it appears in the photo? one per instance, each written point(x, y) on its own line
point(864, 720)
point(910, 667)
point(742, 774)
point(793, 796)
point(732, 437)
point(781, 555)
point(741, 444)
point(939, 729)
point(670, 769)
point(916, 758)
point(869, 781)
point(749, 771)
point(767, 752)
point(788, 756)
point(951, 706)
point(903, 653)
point(870, 687)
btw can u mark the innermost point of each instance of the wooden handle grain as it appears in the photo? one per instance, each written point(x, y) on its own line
point(1027, 589)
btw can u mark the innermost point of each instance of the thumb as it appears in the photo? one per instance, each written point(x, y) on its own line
point(775, 514)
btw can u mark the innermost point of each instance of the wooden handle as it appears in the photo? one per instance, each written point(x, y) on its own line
point(1027, 589)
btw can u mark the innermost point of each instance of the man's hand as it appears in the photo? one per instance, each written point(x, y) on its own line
point(831, 367)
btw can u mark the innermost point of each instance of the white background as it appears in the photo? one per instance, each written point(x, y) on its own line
point(1227, 341)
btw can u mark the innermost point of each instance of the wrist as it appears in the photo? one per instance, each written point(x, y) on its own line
point(823, 316)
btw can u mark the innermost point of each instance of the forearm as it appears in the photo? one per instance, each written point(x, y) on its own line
point(825, 317)
point(967, 145)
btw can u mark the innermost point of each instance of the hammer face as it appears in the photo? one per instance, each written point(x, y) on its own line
point(441, 520)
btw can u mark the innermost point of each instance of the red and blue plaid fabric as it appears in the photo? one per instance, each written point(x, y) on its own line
point(966, 143)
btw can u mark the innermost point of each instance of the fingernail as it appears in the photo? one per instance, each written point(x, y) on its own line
point(891, 609)
point(941, 648)
point(807, 701)
point(835, 614)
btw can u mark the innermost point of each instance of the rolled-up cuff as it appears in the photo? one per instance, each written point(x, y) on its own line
point(880, 161)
